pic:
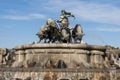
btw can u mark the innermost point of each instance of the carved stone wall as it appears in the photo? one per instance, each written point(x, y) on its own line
point(74, 55)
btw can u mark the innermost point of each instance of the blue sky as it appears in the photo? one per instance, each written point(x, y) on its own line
point(20, 20)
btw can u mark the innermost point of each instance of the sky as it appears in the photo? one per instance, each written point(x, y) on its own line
point(20, 20)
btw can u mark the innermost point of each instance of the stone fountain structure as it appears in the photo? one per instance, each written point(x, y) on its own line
point(59, 58)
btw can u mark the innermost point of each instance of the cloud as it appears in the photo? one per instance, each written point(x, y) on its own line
point(88, 11)
point(103, 12)
point(109, 29)
point(99, 13)
point(37, 16)
point(24, 17)
point(104, 28)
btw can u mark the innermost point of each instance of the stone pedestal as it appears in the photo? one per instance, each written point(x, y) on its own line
point(96, 58)
point(20, 56)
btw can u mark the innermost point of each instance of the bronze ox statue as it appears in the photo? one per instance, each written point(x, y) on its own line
point(49, 31)
point(77, 33)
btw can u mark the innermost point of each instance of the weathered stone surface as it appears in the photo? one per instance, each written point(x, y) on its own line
point(97, 56)
point(56, 51)
point(59, 75)
point(63, 46)
point(19, 55)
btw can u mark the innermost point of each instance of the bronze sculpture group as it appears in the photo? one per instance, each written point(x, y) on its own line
point(51, 32)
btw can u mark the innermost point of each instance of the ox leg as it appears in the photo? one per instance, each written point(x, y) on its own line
point(53, 40)
point(80, 39)
point(45, 41)
point(75, 40)
point(49, 40)
point(39, 41)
